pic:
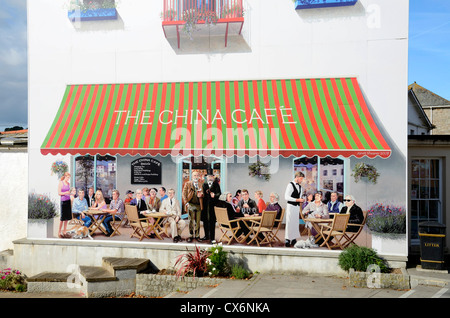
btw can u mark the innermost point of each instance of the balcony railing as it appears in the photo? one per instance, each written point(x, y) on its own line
point(220, 10)
point(187, 13)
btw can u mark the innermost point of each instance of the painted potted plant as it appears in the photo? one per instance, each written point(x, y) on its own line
point(387, 223)
point(260, 170)
point(41, 213)
point(364, 170)
point(59, 167)
point(192, 16)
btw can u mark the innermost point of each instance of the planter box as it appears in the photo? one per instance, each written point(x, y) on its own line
point(379, 280)
point(311, 4)
point(385, 243)
point(153, 285)
point(40, 228)
point(93, 15)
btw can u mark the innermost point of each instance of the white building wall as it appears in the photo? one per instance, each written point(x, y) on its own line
point(368, 41)
point(14, 190)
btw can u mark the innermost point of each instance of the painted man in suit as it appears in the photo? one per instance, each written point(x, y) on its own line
point(211, 192)
point(172, 207)
point(193, 200)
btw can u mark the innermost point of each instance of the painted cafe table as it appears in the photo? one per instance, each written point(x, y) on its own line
point(155, 221)
point(97, 217)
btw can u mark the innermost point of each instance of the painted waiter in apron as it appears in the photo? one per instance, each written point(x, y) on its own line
point(293, 196)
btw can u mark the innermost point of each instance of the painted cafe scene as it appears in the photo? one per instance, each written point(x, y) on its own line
point(183, 144)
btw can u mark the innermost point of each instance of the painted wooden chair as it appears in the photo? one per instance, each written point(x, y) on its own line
point(228, 227)
point(139, 225)
point(335, 231)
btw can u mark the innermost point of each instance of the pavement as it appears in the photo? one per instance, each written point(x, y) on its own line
point(267, 286)
point(306, 286)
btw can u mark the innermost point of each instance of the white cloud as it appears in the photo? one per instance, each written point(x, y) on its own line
point(13, 64)
point(12, 57)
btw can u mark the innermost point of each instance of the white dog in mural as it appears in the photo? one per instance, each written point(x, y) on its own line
point(80, 232)
point(308, 243)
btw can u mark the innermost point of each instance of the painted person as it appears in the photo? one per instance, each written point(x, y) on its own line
point(66, 205)
point(193, 200)
point(293, 196)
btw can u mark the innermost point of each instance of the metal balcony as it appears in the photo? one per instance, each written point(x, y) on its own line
point(186, 15)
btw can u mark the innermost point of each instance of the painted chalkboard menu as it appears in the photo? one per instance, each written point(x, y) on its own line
point(146, 171)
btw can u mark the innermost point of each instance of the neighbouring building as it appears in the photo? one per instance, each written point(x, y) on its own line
point(428, 154)
point(13, 187)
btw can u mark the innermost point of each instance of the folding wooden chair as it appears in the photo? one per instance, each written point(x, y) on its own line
point(336, 231)
point(116, 222)
point(227, 226)
point(277, 226)
point(351, 236)
point(139, 225)
point(262, 230)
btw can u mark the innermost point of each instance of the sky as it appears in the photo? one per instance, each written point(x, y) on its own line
point(429, 54)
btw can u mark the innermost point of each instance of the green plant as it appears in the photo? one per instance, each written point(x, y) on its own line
point(260, 170)
point(12, 280)
point(83, 6)
point(360, 257)
point(365, 170)
point(41, 207)
point(192, 16)
point(217, 261)
point(239, 272)
point(59, 167)
point(386, 219)
point(192, 263)
point(234, 11)
point(168, 15)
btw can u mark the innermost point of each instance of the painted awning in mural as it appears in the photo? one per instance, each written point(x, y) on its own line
point(293, 117)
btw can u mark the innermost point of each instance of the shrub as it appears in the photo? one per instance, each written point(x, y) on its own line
point(218, 261)
point(239, 272)
point(386, 219)
point(12, 280)
point(192, 263)
point(360, 257)
point(40, 207)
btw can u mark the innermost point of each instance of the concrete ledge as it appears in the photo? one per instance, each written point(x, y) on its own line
point(114, 264)
point(53, 282)
point(420, 276)
point(96, 274)
point(33, 256)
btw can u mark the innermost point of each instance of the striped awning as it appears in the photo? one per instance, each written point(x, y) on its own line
point(295, 117)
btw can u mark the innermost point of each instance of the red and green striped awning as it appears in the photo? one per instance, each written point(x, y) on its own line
point(324, 117)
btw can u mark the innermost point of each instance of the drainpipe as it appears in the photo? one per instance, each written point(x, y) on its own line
point(431, 118)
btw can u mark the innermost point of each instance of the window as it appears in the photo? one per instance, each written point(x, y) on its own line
point(98, 171)
point(426, 201)
point(316, 180)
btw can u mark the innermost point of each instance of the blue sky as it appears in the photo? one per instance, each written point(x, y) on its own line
point(429, 45)
point(429, 54)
